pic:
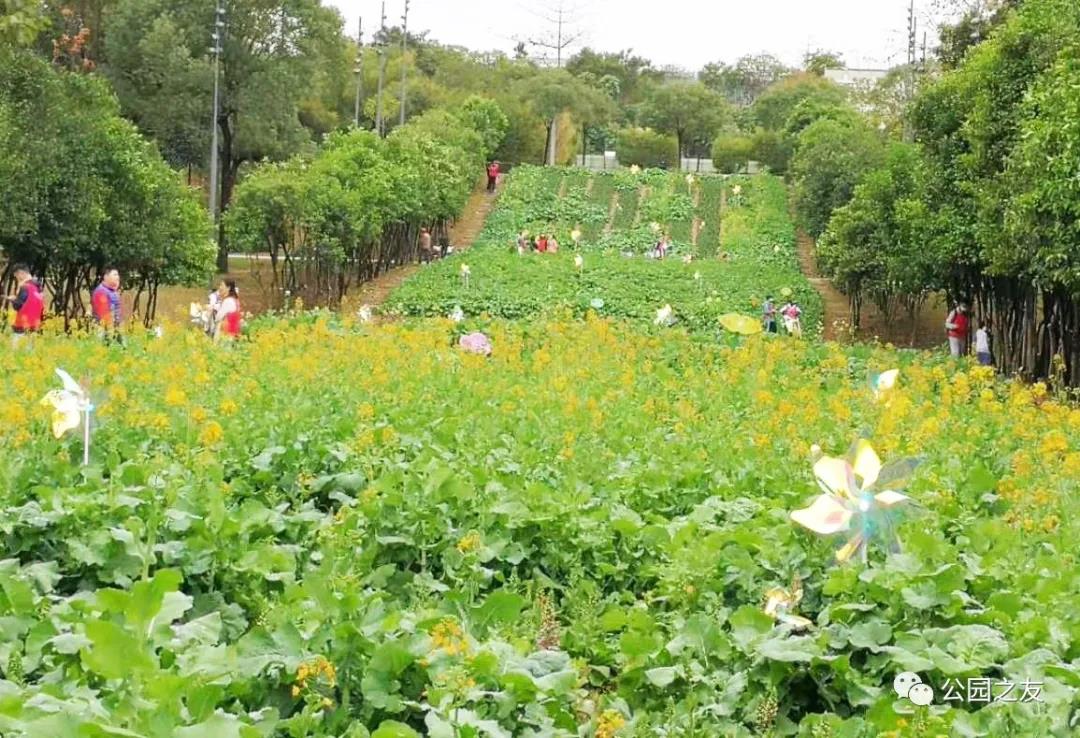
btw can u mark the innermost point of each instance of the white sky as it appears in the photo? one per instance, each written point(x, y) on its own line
point(685, 33)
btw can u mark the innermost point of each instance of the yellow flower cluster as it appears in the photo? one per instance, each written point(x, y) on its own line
point(448, 636)
point(318, 669)
point(609, 724)
point(469, 543)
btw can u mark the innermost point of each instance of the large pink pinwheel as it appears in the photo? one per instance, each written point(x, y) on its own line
point(849, 503)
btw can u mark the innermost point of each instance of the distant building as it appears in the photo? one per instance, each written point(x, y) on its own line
point(856, 79)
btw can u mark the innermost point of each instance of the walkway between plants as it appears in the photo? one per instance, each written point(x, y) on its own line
point(462, 235)
point(925, 332)
point(836, 305)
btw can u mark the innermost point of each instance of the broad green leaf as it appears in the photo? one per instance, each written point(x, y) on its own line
point(394, 729)
point(661, 676)
point(115, 653)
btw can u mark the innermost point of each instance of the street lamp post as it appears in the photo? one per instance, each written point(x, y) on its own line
point(217, 37)
point(404, 66)
point(381, 50)
point(359, 69)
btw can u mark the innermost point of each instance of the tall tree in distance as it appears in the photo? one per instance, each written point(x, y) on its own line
point(690, 111)
point(818, 62)
point(560, 33)
point(742, 82)
point(271, 51)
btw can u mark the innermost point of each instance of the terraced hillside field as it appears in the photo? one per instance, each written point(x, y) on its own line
point(733, 245)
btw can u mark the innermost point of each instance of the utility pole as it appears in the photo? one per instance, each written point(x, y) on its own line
point(404, 66)
point(382, 74)
point(909, 133)
point(559, 19)
point(217, 38)
point(359, 69)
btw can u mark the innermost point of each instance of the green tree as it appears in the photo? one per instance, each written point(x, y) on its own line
point(771, 150)
point(272, 50)
point(21, 21)
point(81, 189)
point(646, 148)
point(774, 107)
point(817, 62)
point(485, 116)
point(830, 160)
point(690, 111)
point(742, 82)
point(732, 153)
point(633, 73)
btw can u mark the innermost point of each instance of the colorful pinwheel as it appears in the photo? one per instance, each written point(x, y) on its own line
point(850, 505)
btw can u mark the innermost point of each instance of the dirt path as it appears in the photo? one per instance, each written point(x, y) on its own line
point(925, 332)
point(643, 195)
point(836, 304)
point(612, 210)
point(462, 235)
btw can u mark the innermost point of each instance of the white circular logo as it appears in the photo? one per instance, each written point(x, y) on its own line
point(921, 694)
point(904, 682)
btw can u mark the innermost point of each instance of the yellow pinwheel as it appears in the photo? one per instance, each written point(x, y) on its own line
point(849, 504)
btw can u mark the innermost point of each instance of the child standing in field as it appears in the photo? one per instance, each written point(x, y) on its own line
point(982, 345)
point(552, 245)
point(227, 320)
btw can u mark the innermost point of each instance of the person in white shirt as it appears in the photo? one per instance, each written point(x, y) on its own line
point(982, 345)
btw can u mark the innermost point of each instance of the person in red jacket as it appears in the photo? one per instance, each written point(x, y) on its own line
point(957, 327)
point(27, 303)
point(493, 175)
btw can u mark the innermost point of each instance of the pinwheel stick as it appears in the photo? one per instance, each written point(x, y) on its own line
point(86, 435)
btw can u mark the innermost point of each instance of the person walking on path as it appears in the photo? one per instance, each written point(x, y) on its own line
point(957, 327)
point(982, 345)
point(227, 320)
point(768, 315)
point(492, 175)
point(27, 303)
point(105, 302)
point(426, 251)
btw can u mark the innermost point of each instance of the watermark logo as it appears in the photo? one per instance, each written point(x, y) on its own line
point(909, 686)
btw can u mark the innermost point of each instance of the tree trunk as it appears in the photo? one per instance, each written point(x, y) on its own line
point(553, 141)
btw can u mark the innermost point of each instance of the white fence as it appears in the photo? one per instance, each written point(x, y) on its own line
point(608, 160)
